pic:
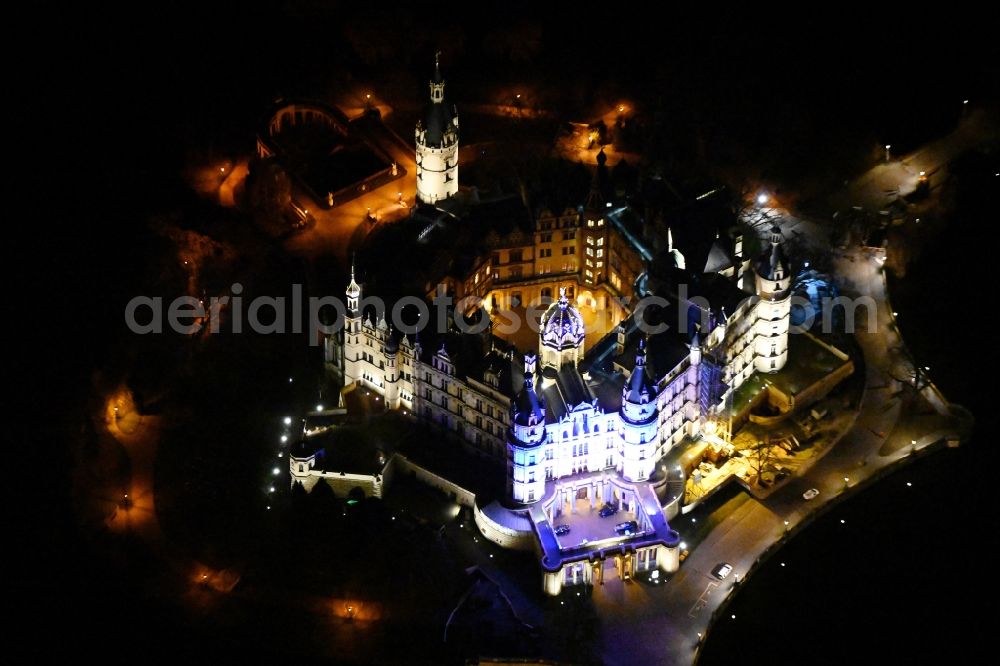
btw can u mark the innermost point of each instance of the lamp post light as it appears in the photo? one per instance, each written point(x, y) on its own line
point(887, 147)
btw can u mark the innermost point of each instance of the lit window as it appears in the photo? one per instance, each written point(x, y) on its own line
point(600, 242)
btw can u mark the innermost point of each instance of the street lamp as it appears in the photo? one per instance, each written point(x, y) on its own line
point(762, 198)
point(887, 147)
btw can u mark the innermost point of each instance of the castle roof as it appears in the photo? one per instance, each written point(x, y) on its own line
point(529, 408)
point(640, 388)
point(772, 264)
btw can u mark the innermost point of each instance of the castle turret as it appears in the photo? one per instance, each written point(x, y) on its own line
point(695, 347)
point(437, 145)
point(352, 332)
point(525, 479)
point(639, 418)
point(391, 352)
point(774, 288)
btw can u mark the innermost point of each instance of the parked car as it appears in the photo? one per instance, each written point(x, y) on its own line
point(722, 570)
point(607, 510)
point(562, 529)
point(628, 527)
point(810, 494)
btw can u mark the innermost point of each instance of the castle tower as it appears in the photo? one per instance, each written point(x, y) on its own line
point(639, 418)
point(774, 288)
point(437, 145)
point(352, 332)
point(595, 233)
point(391, 351)
point(525, 478)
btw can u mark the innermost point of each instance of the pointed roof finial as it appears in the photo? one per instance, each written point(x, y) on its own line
point(437, 67)
point(563, 300)
point(353, 289)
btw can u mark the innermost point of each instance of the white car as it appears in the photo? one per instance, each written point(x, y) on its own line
point(810, 494)
point(722, 570)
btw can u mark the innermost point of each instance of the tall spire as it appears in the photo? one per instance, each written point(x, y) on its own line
point(438, 79)
point(639, 388)
point(353, 289)
point(595, 200)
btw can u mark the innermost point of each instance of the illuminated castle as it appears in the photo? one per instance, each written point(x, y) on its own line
point(567, 434)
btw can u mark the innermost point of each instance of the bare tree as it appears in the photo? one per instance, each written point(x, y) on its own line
point(761, 458)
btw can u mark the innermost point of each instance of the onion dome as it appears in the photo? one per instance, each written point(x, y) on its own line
point(562, 324)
